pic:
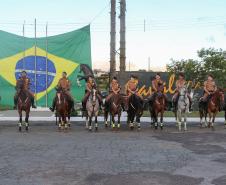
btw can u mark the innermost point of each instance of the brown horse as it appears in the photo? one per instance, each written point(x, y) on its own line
point(63, 110)
point(114, 107)
point(24, 104)
point(211, 108)
point(156, 108)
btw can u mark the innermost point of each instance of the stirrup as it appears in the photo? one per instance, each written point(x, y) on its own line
point(33, 106)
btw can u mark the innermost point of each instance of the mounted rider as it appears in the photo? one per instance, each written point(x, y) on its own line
point(23, 83)
point(209, 89)
point(90, 85)
point(180, 83)
point(63, 85)
point(114, 89)
point(131, 87)
point(157, 86)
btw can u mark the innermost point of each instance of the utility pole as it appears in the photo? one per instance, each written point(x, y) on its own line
point(113, 39)
point(122, 35)
point(149, 64)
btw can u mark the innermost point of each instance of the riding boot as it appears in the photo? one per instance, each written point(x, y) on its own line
point(72, 106)
point(33, 103)
point(83, 106)
point(53, 105)
point(15, 103)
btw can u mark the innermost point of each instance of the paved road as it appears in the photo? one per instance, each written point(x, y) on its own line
point(45, 156)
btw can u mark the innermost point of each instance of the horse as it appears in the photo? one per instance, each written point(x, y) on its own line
point(212, 107)
point(63, 110)
point(135, 109)
point(158, 107)
point(24, 104)
point(92, 110)
point(114, 107)
point(183, 107)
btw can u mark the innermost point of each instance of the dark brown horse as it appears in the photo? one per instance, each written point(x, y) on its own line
point(135, 110)
point(156, 108)
point(114, 107)
point(63, 110)
point(24, 104)
point(212, 107)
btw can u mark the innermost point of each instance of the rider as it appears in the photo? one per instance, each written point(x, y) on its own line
point(157, 86)
point(131, 87)
point(23, 83)
point(90, 85)
point(64, 85)
point(180, 83)
point(209, 88)
point(114, 89)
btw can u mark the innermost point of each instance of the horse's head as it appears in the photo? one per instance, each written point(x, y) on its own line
point(93, 96)
point(183, 91)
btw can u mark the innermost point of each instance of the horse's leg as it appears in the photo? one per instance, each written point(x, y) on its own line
point(132, 121)
point(113, 120)
point(26, 119)
point(90, 122)
point(20, 120)
point(213, 120)
point(106, 118)
point(87, 121)
point(185, 120)
point(210, 117)
point(96, 123)
point(201, 117)
point(179, 119)
point(138, 121)
point(119, 121)
point(225, 118)
point(60, 123)
point(155, 115)
point(205, 114)
point(65, 121)
point(161, 120)
point(69, 120)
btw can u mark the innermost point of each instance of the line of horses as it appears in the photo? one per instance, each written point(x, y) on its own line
point(133, 105)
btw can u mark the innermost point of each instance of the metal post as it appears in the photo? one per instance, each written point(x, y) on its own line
point(122, 35)
point(24, 46)
point(149, 64)
point(46, 64)
point(113, 39)
point(35, 65)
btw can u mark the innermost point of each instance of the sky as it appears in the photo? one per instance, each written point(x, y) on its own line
point(173, 29)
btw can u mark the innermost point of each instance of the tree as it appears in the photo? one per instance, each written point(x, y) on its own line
point(212, 61)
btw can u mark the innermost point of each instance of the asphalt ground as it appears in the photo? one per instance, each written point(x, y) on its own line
point(45, 156)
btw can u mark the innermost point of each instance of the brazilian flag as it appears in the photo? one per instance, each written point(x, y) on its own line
point(44, 60)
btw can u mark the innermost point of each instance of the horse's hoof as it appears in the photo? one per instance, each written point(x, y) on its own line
point(96, 129)
point(161, 127)
point(90, 129)
point(132, 127)
point(138, 128)
point(156, 127)
point(26, 128)
point(119, 126)
point(20, 129)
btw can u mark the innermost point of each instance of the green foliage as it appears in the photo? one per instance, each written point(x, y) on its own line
point(211, 61)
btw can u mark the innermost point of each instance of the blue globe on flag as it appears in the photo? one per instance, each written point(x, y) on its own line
point(43, 81)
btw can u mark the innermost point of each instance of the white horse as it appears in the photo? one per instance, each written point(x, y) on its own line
point(92, 110)
point(183, 107)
